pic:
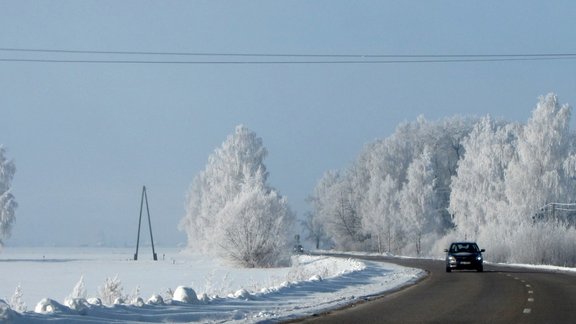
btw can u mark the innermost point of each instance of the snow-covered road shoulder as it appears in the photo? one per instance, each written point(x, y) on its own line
point(361, 281)
point(314, 284)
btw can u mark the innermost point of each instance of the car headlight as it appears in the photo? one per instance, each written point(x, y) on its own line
point(451, 259)
point(479, 258)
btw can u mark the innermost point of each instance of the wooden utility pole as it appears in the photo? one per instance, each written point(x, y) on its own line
point(145, 198)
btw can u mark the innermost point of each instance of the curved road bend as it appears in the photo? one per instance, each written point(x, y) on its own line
point(498, 295)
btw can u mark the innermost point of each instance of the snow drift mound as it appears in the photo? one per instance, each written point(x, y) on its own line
point(185, 295)
point(155, 300)
point(80, 305)
point(48, 306)
point(6, 313)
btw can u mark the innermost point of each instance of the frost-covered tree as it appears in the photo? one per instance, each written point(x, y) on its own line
point(239, 158)
point(255, 227)
point(322, 206)
point(231, 197)
point(536, 176)
point(112, 292)
point(379, 222)
point(335, 209)
point(16, 302)
point(79, 290)
point(508, 173)
point(7, 202)
point(314, 230)
point(478, 189)
point(418, 203)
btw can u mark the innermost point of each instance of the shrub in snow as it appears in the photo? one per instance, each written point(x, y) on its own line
point(47, 306)
point(119, 301)
point(168, 295)
point(135, 299)
point(204, 298)
point(185, 295)
point(256, 222)
point(214, 288)
point(111, 291)
point(244, 294)
point(80, 305)
point(6, 313)
point(138, 302)
point(155, 300)
point(79, 290)
point(16, 302)
point(95, 301)
point(315, 278)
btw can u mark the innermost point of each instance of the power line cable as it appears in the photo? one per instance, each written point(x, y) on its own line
point(318, 58)
point(284, 62)
point(64, 51)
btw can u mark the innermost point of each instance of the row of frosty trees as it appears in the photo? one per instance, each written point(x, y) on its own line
point(411, 193)
point(509, 186)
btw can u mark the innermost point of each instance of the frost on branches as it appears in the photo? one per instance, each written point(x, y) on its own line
point(394, 197)
point(7, 202)
point(231, 210)
point(510, 172)
point(459, 179)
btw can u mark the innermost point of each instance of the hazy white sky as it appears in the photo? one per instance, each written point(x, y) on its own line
point(86, 137)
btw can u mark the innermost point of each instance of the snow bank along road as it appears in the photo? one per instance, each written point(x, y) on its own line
point(499, 295)
point(314, 284)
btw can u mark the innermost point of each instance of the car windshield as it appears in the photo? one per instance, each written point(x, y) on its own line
point(464, 247)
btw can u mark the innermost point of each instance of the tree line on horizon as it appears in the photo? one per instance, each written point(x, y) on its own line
point(511, 187)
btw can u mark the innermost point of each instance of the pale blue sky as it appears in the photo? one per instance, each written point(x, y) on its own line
point(86, 137)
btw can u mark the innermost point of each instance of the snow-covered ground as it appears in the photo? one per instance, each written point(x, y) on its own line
point(225, 293)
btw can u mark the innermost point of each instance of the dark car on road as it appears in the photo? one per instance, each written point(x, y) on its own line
point(298, 249)
point(464, 255)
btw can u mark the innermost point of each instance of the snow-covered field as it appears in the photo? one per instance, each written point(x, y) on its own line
point(225, 293)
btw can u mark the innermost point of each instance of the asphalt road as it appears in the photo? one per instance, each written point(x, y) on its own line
point(497, 295)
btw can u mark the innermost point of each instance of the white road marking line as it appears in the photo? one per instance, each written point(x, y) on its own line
point(530, 291)
point(530, 300)
point(528, 286)
point(527, 311)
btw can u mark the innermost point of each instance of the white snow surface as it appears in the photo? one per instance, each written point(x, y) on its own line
point(160, 291)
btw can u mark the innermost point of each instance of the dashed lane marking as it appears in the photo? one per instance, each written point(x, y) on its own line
point(530, 292)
